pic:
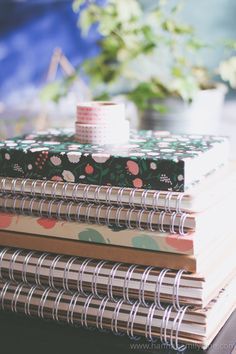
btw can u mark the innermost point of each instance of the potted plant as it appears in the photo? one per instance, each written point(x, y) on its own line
point(148, 56)
point(149, 59)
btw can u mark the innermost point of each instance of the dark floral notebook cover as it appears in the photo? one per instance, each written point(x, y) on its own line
point(148, 161)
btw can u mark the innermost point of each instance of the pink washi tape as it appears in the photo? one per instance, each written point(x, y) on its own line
point(102, 133)
point(101, 123)
point(100, 112)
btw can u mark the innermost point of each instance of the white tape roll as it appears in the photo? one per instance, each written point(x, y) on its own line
point(100, 112)
point(102, 133)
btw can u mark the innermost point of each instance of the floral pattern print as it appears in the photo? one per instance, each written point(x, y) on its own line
point(148, 161)
point(112, 235)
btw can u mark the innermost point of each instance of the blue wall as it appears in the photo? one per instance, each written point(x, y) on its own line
point(29, 32)
point(31, 29)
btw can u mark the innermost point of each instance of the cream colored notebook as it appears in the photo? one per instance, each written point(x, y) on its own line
point(131, 282)
point(176, 327)
point(200, 264)
point(135, 228)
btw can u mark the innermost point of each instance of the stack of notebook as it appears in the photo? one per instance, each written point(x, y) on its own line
point(136, 239)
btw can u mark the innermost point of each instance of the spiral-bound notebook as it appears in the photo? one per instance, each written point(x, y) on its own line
point(201, 196)
point(200, 263)
point(137, 228)
point(171, 163)
point(174, 326)
point(114, 280)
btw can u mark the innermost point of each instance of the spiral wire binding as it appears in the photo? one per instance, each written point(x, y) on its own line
point(150, 220)
point(42, 302)
point(71, 308)
point(131, 320)
point(64, 190)
point(51, 272)
point(66, 273)
point(127, 279)
point(181, 225)
point(96, 272)
point(16, 297)
point(179, 202)
point(172, 342)
point(28, 300)
point(110, 281)
point(80, 276)
point(131, 202)
point(33, 188)
point(84, 313)
point(2, 254)
point(96, 194)
point(177, 321)
point(155, 200)
point(159, 282)
point(141, 294)
point(148, 324)
point(3, 186)
point(114, 318)
point(108, 215)
point(100, 314)
point(85, 193)
point(54, 189)
point(161, 221)
point(176, 286)
point(11, 264)
point(3, 294)
point(128, 219)
point(164, 325)
point(38, 268)
point(56, 305)
point(80, 192)
point(95, 275)
point(25, 266)
point(117, 217)
point(13, 185)
point(139, 220)
point(120, 196)
point(44, 208)
point(172, 223)
point(170, 339)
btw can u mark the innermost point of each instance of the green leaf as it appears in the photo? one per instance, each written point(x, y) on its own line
point(85, 22)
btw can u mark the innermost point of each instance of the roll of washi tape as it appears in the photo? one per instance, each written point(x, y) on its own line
point(100, 112)
point(102, 133)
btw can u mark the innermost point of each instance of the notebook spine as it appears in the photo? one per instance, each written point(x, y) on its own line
point(114, 289)
point(146, 199)
point(89, 312)
point(132, 218)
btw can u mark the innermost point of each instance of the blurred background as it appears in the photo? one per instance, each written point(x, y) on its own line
point(172, 62)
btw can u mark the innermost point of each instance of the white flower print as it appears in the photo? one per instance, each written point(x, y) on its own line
point(55, 160)
point(100, 158)
point(74, 156)
point(68, 176)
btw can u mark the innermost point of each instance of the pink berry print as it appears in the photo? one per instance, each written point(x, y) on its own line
point(138, 183)
point(179, 244)
point(133, 167)
point(46, 223)
point(57, 178)
point(89, 169)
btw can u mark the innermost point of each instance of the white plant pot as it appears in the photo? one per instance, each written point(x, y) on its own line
point(202, 116)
